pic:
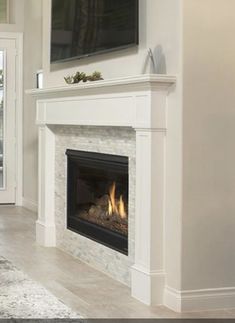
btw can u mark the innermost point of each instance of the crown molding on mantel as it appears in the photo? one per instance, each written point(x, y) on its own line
point(132, 83)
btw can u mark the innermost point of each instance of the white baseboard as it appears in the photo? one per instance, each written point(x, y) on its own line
point(147, 287)
point(199, 300)
point(30, 205)
point(172, 299)
point(45, 235)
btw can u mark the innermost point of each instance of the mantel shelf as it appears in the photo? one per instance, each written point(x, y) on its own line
point(133, 83)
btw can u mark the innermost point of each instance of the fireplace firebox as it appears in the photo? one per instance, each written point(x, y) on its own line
point(97, 197)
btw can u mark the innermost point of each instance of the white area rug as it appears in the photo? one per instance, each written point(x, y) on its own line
point(21, 297)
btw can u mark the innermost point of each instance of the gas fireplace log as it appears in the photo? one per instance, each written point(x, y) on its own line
point(103, 201)
point(96, 211)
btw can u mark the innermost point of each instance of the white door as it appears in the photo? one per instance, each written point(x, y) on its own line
point(7, 121)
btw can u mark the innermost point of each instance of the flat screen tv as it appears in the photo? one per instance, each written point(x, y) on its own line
point(81, 28)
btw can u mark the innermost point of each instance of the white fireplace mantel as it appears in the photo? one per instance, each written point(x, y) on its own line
point(139, 102)
point(129, 101)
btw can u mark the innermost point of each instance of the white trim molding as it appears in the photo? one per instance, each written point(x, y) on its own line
point(147, 286)
point(199, 300)
point(19, 119)
point(124, 84)
point(138, 102)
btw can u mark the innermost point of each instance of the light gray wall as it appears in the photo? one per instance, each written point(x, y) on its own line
point(208, 143)
point(32, 63)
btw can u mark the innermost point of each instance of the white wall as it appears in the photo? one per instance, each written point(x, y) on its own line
point(32, 63)
point(16, 12)
point(16, 17)
point(209, 157)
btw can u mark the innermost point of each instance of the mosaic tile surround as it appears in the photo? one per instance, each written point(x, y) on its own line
point(109, 140)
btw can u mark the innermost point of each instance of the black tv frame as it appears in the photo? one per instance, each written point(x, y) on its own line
point(105, 51)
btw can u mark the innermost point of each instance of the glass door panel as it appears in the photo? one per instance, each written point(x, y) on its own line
point(2, 175)
point(7, 121)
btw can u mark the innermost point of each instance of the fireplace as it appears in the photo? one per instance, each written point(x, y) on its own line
point(97, 197)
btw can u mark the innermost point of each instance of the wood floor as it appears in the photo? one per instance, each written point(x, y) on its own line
point(85, 290)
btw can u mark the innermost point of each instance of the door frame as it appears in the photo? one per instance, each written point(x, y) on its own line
point(18, 37)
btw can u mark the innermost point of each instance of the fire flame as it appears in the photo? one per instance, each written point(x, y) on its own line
point(116, 207)
point(122, 208)
point(112, 198)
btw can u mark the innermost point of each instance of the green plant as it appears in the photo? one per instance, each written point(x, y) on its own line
point(82, 77)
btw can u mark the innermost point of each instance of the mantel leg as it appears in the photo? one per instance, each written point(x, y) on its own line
point(148, 275)
point(45, 226)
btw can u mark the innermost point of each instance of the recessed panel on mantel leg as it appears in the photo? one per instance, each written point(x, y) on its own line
point(148, 276)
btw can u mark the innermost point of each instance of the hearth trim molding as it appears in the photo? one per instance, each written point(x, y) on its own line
point(199, 299)
point(141, 103)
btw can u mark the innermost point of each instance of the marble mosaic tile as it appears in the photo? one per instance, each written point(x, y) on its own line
point(109, 140)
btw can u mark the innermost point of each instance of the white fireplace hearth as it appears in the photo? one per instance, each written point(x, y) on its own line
point(125, 116)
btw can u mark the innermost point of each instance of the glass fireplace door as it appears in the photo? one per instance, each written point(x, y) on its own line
point(97, 197)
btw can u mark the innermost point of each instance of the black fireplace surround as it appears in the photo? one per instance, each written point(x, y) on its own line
point(97, 197)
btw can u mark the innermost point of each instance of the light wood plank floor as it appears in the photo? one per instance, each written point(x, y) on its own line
point(85, 290)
